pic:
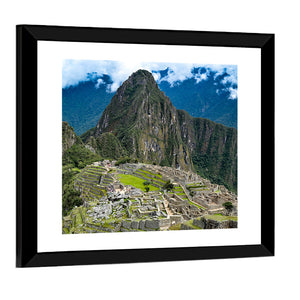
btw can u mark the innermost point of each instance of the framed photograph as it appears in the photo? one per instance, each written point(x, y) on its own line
point(138, 145)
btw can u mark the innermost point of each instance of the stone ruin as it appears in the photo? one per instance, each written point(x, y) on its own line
point(131, 209)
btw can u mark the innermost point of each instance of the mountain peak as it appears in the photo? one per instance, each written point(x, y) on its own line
point(141, 77)
point(142, 72)
point(139, 85)
point(143, 123)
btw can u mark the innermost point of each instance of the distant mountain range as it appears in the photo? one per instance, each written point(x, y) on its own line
point(84, 103)
point(142, 123)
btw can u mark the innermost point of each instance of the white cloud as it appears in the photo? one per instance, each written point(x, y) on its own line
point(202, 76)
point(99, 82)
point(156, 76)
point(178, 73)
point(75, 71)
point(221, 69)
point(233, 93)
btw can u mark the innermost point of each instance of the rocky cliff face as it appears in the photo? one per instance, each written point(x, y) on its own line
point(107, 145)
point(213, 148)
point(145, 122)
point(69, 138)
point(149, 128)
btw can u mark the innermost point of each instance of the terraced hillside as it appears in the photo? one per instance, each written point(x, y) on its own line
point(91, 183)
point(143, 197)
point(154, 178)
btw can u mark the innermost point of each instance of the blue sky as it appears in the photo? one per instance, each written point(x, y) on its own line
point(75, 71)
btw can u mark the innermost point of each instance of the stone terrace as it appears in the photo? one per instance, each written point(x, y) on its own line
point(109, 206)
point(89, 183)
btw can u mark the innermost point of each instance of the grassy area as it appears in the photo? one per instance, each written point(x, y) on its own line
point(175, 227)
point(190, 224)
point(178, 188)
point(78, 216)
point(135, 182)
point(146, 175)
point(218, 217)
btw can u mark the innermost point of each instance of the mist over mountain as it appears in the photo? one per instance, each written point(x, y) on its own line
point(83, 104)
point(209, 98)
point(207, 94)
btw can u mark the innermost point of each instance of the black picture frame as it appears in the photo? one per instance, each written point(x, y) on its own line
point(27, 153)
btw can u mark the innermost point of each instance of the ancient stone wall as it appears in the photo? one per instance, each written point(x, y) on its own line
point(185, 227)
point(146, 224)
point(153, 224)
point(201, 202)
point(214, 224)
point(176, 219)
point(219, 210)
point(165, 222)
point(99, 227)
point(199, 223)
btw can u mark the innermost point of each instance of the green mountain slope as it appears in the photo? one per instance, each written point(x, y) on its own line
point(149, 128)
point(107, 145)
point(83, 104)
point(213, 148)
point(145, 122)
point(75, 156)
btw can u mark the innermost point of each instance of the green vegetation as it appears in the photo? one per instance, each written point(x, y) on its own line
point(228, 205)
point(146, 184)
point(75, 157)
point(175, 227)
point(70, 197)
point(135, 182)
point(187, 223)
point(178, 187)
point(124, 133)
point(217, 107)
point(147, 175)
point(81, 106)
point(218, 217)
point(190, 224)
point(108, 146)
point(168, 186)
point(214, 159)
point(124, 160)
point(129, 134)
point(78, 156)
